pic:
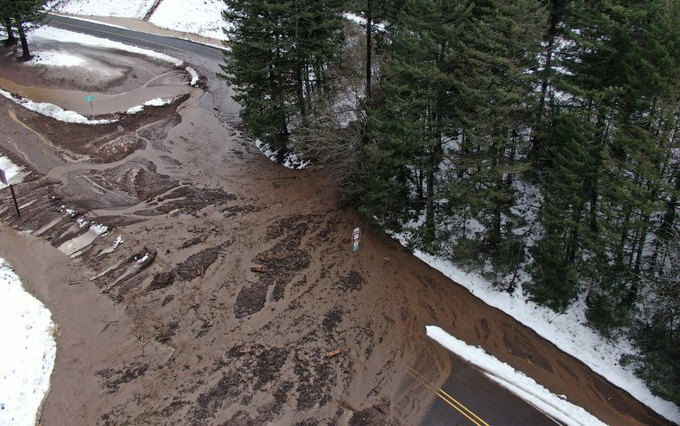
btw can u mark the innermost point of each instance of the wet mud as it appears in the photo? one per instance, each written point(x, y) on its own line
point(218, 288)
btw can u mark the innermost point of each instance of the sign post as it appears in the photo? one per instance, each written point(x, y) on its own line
point(90, 99)
point(3, 179)
point(356, 237)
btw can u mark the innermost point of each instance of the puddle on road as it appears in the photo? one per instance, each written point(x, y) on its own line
point(65, 73)
point(74, 100)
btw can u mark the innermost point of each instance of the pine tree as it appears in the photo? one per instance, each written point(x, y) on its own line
point(6, 18)
point(413, 114)
point(557, 255)
point(26, 14)
point(499, 96)
point(550, 61)
point(280, 54)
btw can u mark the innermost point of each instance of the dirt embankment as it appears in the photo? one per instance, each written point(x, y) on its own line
point(233, 283)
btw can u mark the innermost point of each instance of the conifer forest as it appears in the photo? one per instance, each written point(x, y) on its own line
point(533, 141)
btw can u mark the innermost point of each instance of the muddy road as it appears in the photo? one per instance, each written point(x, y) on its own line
point(224, 289)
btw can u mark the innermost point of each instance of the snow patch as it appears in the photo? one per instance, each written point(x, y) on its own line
point(51, 33)
point(194, 76)
point(197, 17)
point(124, 9)
point(567, 330)
point(291, 161)
point(153, 102)
point(53, 111)
point(515, 381)
point(80, 18)
point(56, 58)
point(14, 174)
point(361, 21)
point(28, 351)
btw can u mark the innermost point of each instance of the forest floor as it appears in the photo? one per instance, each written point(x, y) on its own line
point(234, 281)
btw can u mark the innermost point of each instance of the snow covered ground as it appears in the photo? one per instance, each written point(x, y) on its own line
point(125, 9)
point(515, 381)
point(568, 331)
point(51, 33)
point(62, 59)
point(202, 17)
point(51, 110)
point(28, 351)
point(291, 161)
point(14, 174)
point(153, 102)
point(56, 58)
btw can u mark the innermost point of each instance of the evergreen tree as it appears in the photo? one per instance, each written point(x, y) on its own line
point(415, 111)
point(499, 96)
point(25, 15)
point(280, 55)
point(6, 18)
point(557, 255)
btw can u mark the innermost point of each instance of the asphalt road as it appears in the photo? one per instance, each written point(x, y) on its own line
point(486, 401)
point(183, 49)
point(478, 400)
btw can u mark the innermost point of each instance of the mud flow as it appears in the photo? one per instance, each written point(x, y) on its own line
point(194, 281)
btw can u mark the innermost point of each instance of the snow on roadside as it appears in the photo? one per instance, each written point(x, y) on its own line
point(28, 353)
point(93, 21)
point(56, 58)
point(53, 111)
point(51, 33)
point(515, 381)
point(193, 74)
point(124, 9)
point(197, 17)
point(156, 102)
point(568, 331)
point(14, 174)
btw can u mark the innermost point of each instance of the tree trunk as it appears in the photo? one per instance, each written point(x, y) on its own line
point(536, 154)
point(429, 207)
point(664, 232)
point(369, 46)
point(573, 238)
point(11, 40)
point(24, 43)
point(299, 66)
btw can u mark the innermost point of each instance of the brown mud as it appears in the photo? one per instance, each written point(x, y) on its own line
point(234, 280)
point(119, 82)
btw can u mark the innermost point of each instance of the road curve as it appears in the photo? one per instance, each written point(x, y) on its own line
point(487, 399)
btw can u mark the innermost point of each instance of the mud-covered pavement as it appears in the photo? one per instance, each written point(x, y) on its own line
point(234, 281)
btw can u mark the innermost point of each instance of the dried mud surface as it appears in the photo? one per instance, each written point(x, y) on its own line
point(233, 282)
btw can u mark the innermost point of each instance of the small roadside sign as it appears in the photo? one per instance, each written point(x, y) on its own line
point(90, 99)
point(356, 237)
point(3, 179)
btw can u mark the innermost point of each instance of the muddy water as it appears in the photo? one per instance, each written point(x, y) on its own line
point(252, 283)
point(168, 85)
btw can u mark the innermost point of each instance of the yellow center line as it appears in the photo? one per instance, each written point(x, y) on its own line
point(446, 397)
